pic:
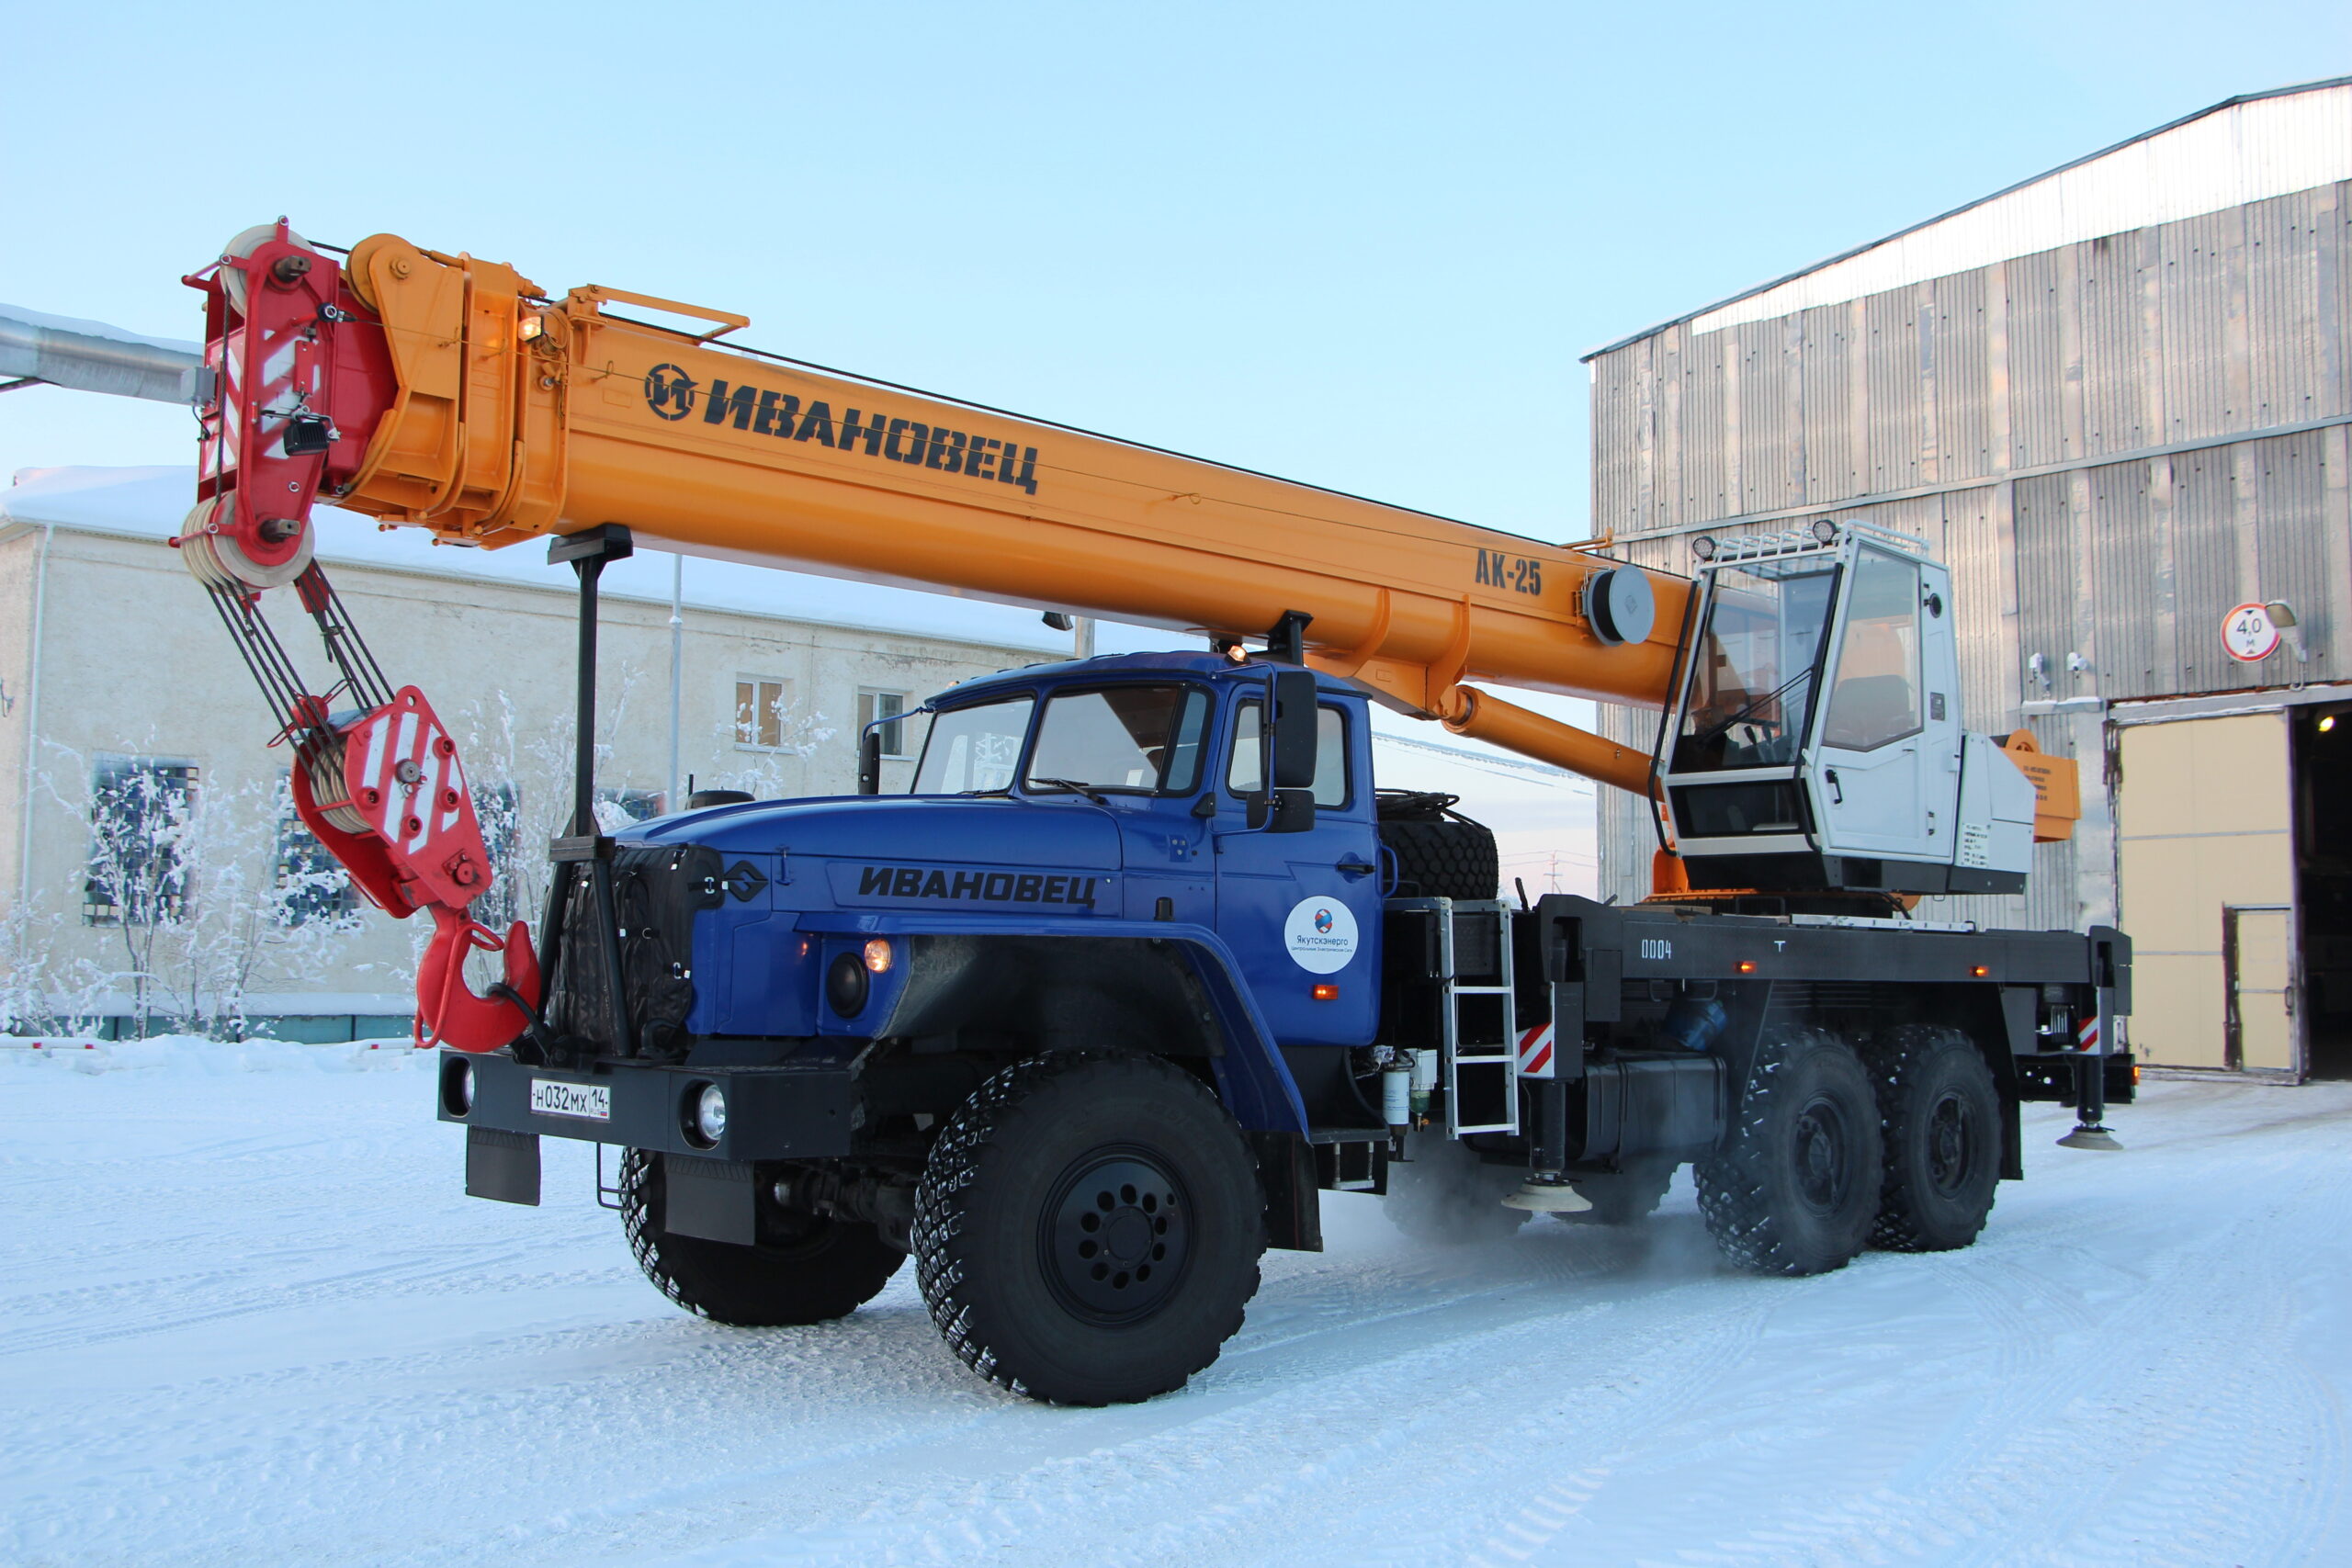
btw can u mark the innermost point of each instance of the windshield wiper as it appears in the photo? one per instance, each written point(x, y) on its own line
point(1087, 790)
point(1000, 789)
point(1753, 703)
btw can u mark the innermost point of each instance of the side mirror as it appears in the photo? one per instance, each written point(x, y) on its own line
point(869, 762)
point(1294, 811)
point(1294, 730)
point(1279, 811)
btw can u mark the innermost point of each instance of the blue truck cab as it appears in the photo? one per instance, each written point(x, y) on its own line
point(1088, 857)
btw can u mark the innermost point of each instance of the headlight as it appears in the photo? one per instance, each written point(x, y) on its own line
point(457, 1086)
point(710, 1113)
point(847, 984)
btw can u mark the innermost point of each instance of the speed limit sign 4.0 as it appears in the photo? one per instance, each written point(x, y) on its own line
point(2249, 634)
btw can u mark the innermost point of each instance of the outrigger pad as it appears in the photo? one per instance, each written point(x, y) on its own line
point(503, 1166)
point(2091, 1138)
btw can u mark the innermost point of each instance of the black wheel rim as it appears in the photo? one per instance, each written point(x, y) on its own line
point(1952, 1144)
point(1115, 1235)
point(1824, 1169)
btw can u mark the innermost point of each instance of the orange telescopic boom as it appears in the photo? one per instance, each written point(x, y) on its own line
point(451, 394)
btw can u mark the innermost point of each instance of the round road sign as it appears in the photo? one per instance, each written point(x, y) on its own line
point(2249, 635)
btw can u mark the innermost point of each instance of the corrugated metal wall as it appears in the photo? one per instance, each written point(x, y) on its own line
point(2112, 442)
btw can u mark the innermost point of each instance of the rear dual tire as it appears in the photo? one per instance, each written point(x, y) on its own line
point(1941, 1116)
point(1794, 1188)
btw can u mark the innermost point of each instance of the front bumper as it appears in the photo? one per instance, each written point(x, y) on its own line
point(797, 1111)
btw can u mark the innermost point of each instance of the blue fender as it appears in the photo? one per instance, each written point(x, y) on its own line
point(1251, 1077)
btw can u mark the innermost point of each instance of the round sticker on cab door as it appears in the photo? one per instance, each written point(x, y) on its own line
point(1320, 935)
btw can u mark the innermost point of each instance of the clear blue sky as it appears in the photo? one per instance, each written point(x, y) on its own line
point(1361, 245)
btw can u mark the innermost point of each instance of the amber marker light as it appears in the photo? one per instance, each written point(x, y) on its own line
point(879, 955)
point(1747, 966)
point(1979, 970)
point(1327, 993)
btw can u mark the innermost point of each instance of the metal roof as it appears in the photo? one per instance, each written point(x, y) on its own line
point(2243, 149)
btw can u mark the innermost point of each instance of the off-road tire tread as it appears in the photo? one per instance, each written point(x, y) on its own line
point(1444, 859)
point(1733, 1193)
point(1890, 1059)
point(953, 1164)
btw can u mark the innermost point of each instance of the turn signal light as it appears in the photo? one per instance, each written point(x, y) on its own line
point(1327, 993)
point(1747, 967)
point(1979, 970)
point(879, 955)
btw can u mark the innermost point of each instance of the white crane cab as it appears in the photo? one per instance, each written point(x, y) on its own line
point(1814, 743)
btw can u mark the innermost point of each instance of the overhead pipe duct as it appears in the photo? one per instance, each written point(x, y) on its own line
point(91, 357)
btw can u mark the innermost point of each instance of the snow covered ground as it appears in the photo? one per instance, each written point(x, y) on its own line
point(247, 1319)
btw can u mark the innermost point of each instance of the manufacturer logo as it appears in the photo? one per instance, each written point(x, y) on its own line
point(672, 394)
point(669, 391)
point(1321, 936)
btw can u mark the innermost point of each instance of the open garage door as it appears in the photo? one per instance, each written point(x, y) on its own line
point(2206, 871)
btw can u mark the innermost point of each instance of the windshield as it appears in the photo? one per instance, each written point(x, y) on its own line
point(1121, 738)
point(973, 750)
point(1752, 680)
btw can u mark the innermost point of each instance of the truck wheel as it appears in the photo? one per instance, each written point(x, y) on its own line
point(1088, 1228)
point(1942, 1119)
point(1794, 1186)
point(821, 1269)
point(1446, 1196)
point(1444, 859)
point(1621, 1197)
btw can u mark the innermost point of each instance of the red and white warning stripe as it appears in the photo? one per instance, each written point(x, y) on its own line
point(2087, 1037)
point(1535, 1055)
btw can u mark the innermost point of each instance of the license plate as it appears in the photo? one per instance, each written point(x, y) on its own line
point(588, 1101)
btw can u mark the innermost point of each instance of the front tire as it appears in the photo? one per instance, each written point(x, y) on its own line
point(1088, 1228)
point(1942, 1117)
point(1795, 1187)
point(812, 1271)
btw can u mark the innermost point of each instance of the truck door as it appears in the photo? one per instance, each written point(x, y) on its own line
point(1302, 910)
point(1885, 763)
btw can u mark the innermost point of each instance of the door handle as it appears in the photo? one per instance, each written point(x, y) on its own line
point(1354, 867)
point(1836, 794)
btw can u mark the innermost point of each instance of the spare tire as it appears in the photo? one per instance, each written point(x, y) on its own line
point(1439, 852)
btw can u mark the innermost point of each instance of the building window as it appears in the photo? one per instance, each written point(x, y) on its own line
point(760, 704)
point(311, 886)
point(142, 815)
point(873, 705)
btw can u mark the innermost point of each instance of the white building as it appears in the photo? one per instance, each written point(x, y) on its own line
point(149, 863)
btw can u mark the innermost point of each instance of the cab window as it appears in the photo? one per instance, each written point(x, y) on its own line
point(1246, 774)
point(1874, 698)
point(1141, 738)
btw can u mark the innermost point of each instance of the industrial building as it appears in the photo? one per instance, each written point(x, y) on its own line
point(2114, 398)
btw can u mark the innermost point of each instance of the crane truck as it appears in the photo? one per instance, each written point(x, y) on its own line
point(1146, 960)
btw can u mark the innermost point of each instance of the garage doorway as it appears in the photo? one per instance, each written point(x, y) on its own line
point(2323, 760)
point(2206, 878)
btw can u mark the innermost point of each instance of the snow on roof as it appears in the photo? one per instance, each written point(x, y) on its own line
point(149, 502)
point(2241, 150)
point(81, 328)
